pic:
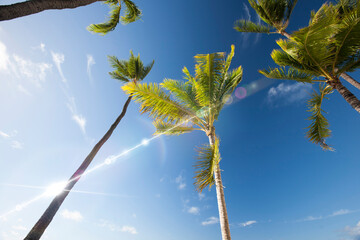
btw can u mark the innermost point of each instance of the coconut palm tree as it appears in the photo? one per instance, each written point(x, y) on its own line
point(321, 52)
point(126, 71)
point(276, 17)
point(21, 9)
point(342, 18)
point(194, 105)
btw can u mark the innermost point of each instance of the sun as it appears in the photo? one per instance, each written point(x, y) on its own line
point(55, 189)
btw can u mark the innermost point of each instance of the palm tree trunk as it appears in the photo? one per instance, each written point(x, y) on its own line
point(224, 221)
point(347, 95)
point(350, 80)
point(39, 228)
point(16, 10)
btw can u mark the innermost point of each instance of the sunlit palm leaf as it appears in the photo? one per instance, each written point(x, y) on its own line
point(171, 129)
point(287, 74)
point(208, 159)
point(132, 12)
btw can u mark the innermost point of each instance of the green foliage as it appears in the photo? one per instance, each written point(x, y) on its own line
point(171, 129)
point(287, 74)
point(129, 70)
point(180, 107)
point(132, 13)
point(208, 160)
point(275, 13)
point(249, 26)
point(319, 127)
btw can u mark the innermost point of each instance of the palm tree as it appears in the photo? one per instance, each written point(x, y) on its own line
point(126, 71)
point(21, 9)
point(321, 52)
point(194, 105)
point(276, 17)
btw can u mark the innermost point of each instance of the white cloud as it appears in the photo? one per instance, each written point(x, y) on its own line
point(16, 144)
point(59, 59)
point(72, 215)
point(4, 135)
point(210, 220)
point(194, 210)
point(129, 229)
point(90, 62)
point(288, 93)
point(181, 182)
point(353, 231)
point(42, 47)
point(81, 121)
point(248, 223)
point(334, 214)
point(115, 228)
point(340, 212)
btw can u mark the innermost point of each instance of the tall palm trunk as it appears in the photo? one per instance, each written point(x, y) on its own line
point(39, 228)
point(347, 95)
point(223, 216)
point(350, 80)
point(8, 12)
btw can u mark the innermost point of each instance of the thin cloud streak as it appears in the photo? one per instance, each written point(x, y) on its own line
point(90, 63)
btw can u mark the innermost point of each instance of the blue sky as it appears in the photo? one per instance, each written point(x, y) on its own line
point(57, 100)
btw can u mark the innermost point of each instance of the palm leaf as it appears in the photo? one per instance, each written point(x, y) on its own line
point(110, 24)
point(319, 127)
point(290, 74)
point(157, 103)
point(249, 26)
point(132, 12)
point(171, 129)
point(208, 160)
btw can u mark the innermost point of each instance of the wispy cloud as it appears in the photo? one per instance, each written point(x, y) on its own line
point(181, 182)
point(9, 137)
point(19, 227)
point(201, 196)
point(248, 223)
point(23, 70)
point(59, 59)
point(210, 220)
point(285, 94)
point(78, 118)
point(117, 228)
point(194, 210)
point(334, 214)
point(40, 47)
point(90, 63)
point(22, 89)
point(72, 215)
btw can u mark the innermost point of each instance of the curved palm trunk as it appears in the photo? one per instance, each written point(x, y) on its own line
point(16, 10)
point(39, 228)
point(223, 216)
point(350, 80)
point(347, 95)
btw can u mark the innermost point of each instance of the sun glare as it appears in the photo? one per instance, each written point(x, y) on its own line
point(55, 189)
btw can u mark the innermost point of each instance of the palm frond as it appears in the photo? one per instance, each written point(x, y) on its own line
point(319, 127)
point(183, 92)
point(287, 74)
point(110, 24)
point(146, 70)
point(157, 103)
point(249, 26)
point(208, 159)
point(120, 72)
point(171, 129)
point(132, 12)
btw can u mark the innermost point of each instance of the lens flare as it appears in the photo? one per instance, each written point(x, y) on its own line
point(240, 93)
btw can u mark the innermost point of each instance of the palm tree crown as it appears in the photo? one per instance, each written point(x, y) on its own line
point(191, 105)
point(132, 13)
point(129, 70)
point(322, 51)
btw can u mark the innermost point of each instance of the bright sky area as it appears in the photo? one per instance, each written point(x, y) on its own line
point(57, 100)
